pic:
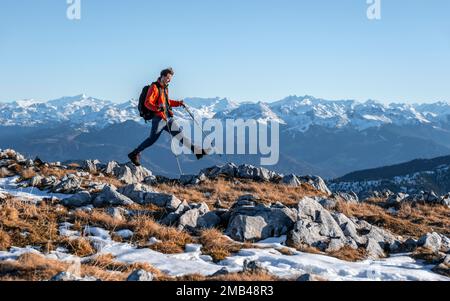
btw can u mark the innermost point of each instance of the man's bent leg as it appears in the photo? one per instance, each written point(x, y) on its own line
point(175, 131)
point(157, 127)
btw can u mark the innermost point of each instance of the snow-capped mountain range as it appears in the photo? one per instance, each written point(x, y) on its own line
point(296, 113)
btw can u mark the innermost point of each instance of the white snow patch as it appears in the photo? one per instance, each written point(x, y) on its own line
point(396, 268)
point(192, 248)
point(11, 187)
point(97, 232)
point(125, 234)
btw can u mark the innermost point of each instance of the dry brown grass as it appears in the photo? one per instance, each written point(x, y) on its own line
point(106, 180)
point(246, 277)
point(218, 246)
point(56, 172)
point(307, 249)
point(239, 277)
point(80, 246)
point(4, 173)
point(442, 269)
point(349, 254)
point(172, 240)
point(5, 241)
point(16, 168)
point(107, 262)
point(35, 267)
point(427, 255)
point(410, 221)
point(31, 267)
point(29, 224)
point(285, 251)
point(27, 174)
point(98, 218)
point(229, 191)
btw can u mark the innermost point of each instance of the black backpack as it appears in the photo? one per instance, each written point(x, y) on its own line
point(144, 112)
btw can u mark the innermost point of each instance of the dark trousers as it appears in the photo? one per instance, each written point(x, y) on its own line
point(158, 126)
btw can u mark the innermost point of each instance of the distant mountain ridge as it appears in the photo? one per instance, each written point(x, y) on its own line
point(297, 113)
point(418, 165)
point(410, 177)
point(317, 136)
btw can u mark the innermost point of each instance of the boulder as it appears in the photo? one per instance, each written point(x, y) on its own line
point(246, 200)
point(111, 197)
point(90, 165)
point(424, 197)
point(190, 219)
point(209, 220)
point(291, 180)
point(140, 275)
point(228, 170)
point(316, 182)
point(49, 182)
point(223, 271)
point(396, 199)
point(127, 173)
point(253, 267)
point(408, 246)
point(247, 171)
point(13, 155)
point(116, 213)
point(445, 200)
point(309, 209)
point(136, 191)
point(328, 204)
point(430, 197)
point(431, 241)
point(349, 228)
point(306, 278)
point(306, 232)
point(170, 219)
point(69, 184)
point(349, 197)
point(36, 181)
point(252, 222)
point(247, 228)
point(374, 250)
point(445, 244)
point(109, 170)
point(317, 227)
point(192, 179)
point(80, 199)
point(167, 201)
point(384, 238)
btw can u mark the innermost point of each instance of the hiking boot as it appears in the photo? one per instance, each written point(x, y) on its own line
point(135, 158)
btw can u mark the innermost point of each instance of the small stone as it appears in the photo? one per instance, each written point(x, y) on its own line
point(306, 278)
point(140, 275)
point(431, 241)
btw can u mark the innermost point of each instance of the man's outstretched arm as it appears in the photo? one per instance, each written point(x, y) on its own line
point(176, 103)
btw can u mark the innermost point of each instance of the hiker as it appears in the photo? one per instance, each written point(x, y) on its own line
point(156, 107)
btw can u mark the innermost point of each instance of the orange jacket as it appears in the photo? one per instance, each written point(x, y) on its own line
point(155, 102)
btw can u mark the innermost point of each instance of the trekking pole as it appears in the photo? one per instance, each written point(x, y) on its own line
point(176, 156)
point(198, 124)
point(193, 118)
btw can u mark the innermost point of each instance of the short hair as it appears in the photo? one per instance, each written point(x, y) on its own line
point(167, 71)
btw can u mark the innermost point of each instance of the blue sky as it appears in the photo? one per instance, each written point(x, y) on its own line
point(252, 50)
